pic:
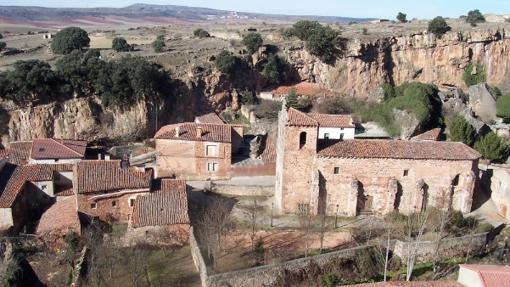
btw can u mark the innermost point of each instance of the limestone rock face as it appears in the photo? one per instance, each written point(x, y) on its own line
point(483, 102)
point(422, 57)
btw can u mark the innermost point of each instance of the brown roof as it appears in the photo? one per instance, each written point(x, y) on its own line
point(189, 131)
point(57, 149)
point(399, 150)
point(303, 88)
point(107, 175)
point(431, 135)
point(409, 284)
point(18, 153)
point(22, 174)
point(210, 118)
point(491, 275)
point(298, 118)
point(61, 216)
point(169, 205)
point(269, 153)
point(333, 121)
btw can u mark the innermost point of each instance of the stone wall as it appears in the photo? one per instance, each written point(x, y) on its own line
point(448, 248)
point(198, 260)
point(166, 235)
point(104, 209)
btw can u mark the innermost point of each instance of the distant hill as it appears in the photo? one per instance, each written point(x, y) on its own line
point(138, 14)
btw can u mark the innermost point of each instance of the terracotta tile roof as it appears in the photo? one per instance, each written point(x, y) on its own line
point(409, 284)
point(210, 118)
point(491, 275)
point(189, 131)
point(169, 185)
point(298, 118)
point(22, 174)
point(67, 191)
point(333, 121)
point(303, 88)
point(398, 150)
point(269, 153)
point(167, 206)
point(105, 175)
point(18, 153)
point(431, 135)
point(57, 149)
point(61, 216)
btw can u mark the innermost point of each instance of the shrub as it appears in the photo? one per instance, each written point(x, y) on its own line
point(472, 78)
point(227, 63)
point(401, 17)
point(247, 97)
point(1, 36)
point(159, 44)
point(3, 45)
point(492, 147)
point(120, 44)
point(503, 107)
point(336, 105)
point(460, 130)
point(201, 33)
point(474, 17)
point(69, 39)
point(252, 41)
point(365, 31)
point(303, 29)
point(438, 26)
point(275, 70)
point(321, 41)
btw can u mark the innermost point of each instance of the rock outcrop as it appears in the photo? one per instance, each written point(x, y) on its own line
point(365, 66)
point(483, 102)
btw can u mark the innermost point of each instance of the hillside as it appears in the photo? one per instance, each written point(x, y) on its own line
point(139, 14)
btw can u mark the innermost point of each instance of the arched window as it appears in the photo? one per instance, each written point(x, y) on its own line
point(302, 139)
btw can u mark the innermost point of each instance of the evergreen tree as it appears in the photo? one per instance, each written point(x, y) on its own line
point(69, 39)
point(492, 147)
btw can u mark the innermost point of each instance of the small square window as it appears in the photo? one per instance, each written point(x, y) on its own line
point(326, 136)
point(114, 203)
point(93, 205)
point(336, 170)
point(406, 172)
point(212, 166)
point(44, 187)
point(131, 202)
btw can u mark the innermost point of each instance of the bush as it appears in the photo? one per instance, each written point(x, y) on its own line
point(201, 33)
point(474, 78)
point(303, 29)
point(474, 17)
point(336, 105)
point(321, 41)
point(247, 97)
point(503, 107)
point(459, 225)
point(401, 17)
point(484, 227)
point(438, 26)
point(365, 31)
point(252, 41)
point(159, 44)
point(275, 70)
point(120, 44)
point(227, 63)
point(492, 147)
point(69, 39)
point(460, 130)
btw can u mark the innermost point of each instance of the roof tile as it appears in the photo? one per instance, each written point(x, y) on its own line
point(57, 149)
point(189, 131)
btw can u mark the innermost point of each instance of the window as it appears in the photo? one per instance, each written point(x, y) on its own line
point(406, 172)
point(336, 170)
point(93, 205)
point(302, 139)
point(326, 136)
point(114, 203)
point(44, 187)
point(212, 166)
point(131, 202)
point(211, 150)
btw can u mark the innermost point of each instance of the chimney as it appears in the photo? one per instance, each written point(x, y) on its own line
point(177, 134)
point(99, 156)
point(199, 132)
point(106, 157)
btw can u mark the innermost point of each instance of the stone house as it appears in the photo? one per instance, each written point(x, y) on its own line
point(349, 177)
point(194, 150)
point(500, 190)
point(107, 190)
point(162, 215)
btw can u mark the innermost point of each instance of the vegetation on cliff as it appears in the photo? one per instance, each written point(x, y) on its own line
point(492, 147)
point(474, 75)
point(460, 130)
point(275, 70)
point(119, 83)
point(159, 44)
point(227, 63)
point(69, 39)
point(438, 26)
point(503, 107)
point(252, 41)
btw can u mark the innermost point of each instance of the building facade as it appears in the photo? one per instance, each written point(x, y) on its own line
point(350, 177)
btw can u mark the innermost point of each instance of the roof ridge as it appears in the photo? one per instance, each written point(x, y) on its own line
point(305, 114)
point(62, 144)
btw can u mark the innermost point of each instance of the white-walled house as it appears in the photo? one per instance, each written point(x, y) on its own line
point(484, 275)
point(61, 151)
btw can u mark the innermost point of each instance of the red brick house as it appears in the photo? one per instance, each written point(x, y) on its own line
point(107, 190)
point(194, 151)
point(349, 177)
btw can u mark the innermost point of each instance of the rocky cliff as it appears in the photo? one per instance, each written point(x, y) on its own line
point(421, 57)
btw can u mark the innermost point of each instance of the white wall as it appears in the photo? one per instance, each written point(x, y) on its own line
point(49, 190)
point(469, 278)
point(6, 218)
point(53, 161)
point(335, 133)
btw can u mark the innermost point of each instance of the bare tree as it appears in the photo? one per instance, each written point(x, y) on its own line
point(415, 226)
point(444, 215)
point(253, 222)
point(304, 222)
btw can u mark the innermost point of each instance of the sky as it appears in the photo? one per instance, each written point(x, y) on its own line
point(347, 8)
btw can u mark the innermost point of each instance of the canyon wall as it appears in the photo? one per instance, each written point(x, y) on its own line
point(365, 66)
